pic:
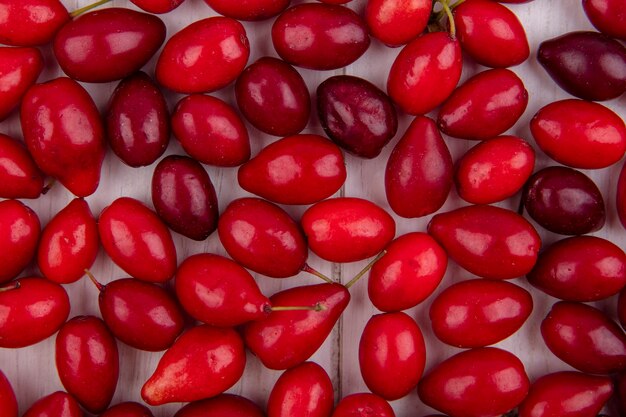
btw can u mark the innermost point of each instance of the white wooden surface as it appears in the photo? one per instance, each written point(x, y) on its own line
point(31, 370)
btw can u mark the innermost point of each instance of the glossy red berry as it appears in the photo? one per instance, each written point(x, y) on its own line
point(588, 65)
point(411, 269)
point(157, 6)
point(69, 243)
point(35, 309)
point(580, 134)
point(262, 237)
point(479, 312)
point(69, 142)
point(581, 268)
point(488, 241)
point(137, 121)
point(363, 404)
point(491, 382)
point(19, 69)
point(250, 9)
point(8, 407)
point(87, 361)
point(486, 105)
point(140, 314)
point(204, 56)
point(211, 131)
point(571, 331)
point(20, 230)
point(184, 197)
point(273, 97)
point(566, 394)
point(320, 36)
point(347, 229)
point(490, 33)
point(438, 57)
point(391, 349)
point(304, 390)
point(58, 403)
point(32, 22)
point(494, 170)
point(137, 240)
point(620, 196)
point(418, 175)
point(20, 177)
point(299, 169)
point(356, 115)
point(397, 22)
point(108, 44)
point(203, 362)
point(608, 16)
point(223, 405)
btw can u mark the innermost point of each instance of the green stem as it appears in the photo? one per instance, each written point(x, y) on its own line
point(316, 307)
point(82, 10)
point(307, 268)
point(364, 270)
point(448, 11)
point(99, 286)
point(11, 286)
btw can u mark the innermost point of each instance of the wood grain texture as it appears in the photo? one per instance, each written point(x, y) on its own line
point(31, 370)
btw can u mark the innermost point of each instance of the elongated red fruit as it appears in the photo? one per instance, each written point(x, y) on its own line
point(20, 177)
point(19, 69)
point(32, 22)
point(20, 230)
point(223, 405)
point(58, 403)
point(8, 402)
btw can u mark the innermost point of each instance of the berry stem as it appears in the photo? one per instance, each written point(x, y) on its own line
point(364, 270)
point(316, 307)
point(99, 286)
point(10, 286)
point(448, 12)
point(307, 268)
point(82, 10)
point(48, 186)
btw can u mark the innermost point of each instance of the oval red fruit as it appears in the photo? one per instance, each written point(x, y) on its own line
point(211, 131)
point(20, 230)
point(35, 309)
point(249, 9)
point(108, 44)
point(64, 133)
point(581, 268)
point(203, 362)
point(273, 97)
point(320, 36)
point(138, 121)
point(418, 176)
point(620, 196)
point(7, 398)
point(356, 115)
point(486, 105)
point(223, 405)
point(566, 394)
point(478, 374)
point(391, 349)
point(584, 338)
point(396, 22)
point(494, 170)
point(262, 237)
point(608, 16)
point(88, 362)
point(184, 198)
point(32, 22)
point(580, 134)
point(69, 243)
point(299, 169)
point(204, 56)
point(59, 404)
point(490, 33)
point(137, 240)
point(411, 269)
point(488, 241)
point(19, 69)
point(219, 292)
point(157, 6)
point(363, 404)
point(285, 339)
point(347, 229)
point(140, 314)
point(20, 177)
point(438, 57)
point(479, 312)
point(304, 390)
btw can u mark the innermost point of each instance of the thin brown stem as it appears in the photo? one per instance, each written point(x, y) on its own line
point(85, 9)
point(364, 270)
point(307, 268)
point(99, 286)
point(11, 286)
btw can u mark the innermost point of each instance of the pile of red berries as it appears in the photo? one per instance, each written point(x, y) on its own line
point(205, 310)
